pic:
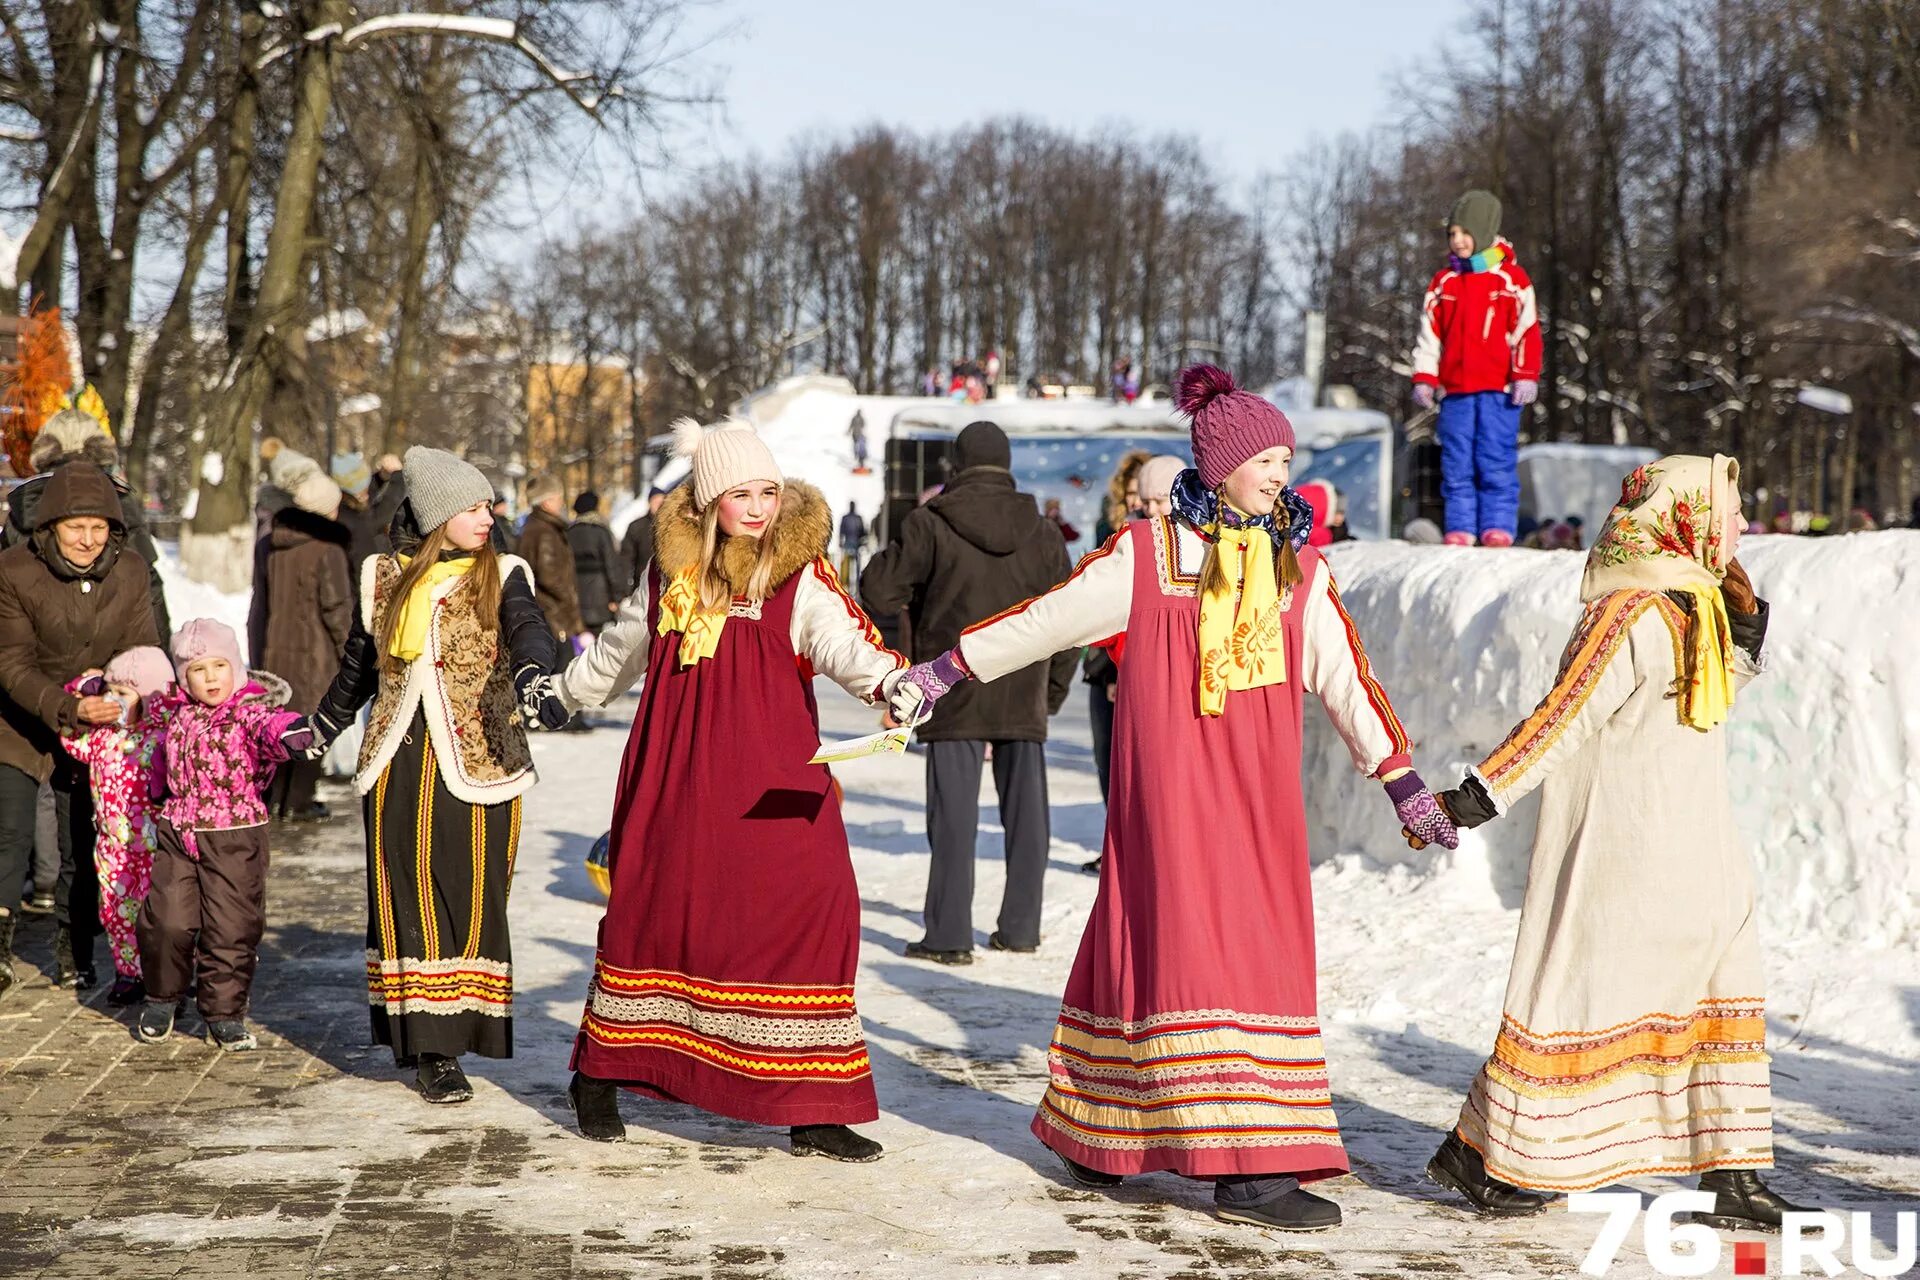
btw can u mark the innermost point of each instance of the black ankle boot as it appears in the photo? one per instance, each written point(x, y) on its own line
point(596, 1108)
point(1742, 1202)
point(441, 1080)
point(1088, 1177)
point(7, 923)
point(65, 974)
point(1459, 1166)
point(834, 1141)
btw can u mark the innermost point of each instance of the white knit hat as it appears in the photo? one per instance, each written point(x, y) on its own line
point(318, 494)
point(725, 457)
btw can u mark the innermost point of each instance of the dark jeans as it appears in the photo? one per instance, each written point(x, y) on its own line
point(221, 896)
point(1100, 711)
point(953, 825)
point(76, 895)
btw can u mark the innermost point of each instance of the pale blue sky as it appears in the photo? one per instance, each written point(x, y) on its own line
point(1253, 81)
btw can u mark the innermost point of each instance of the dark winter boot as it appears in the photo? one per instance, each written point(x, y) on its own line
point(7, 923)
point(65, 974)
point(921, 951)
point(1297, 1209)
point(835, 1142)
point(1742, 1202)
point(156, 1021)
point(998, 942)
point(126, 991)
point(596, 1108)
point(231, 1035)
point(1088, 1177)
point(1459, 1166)
point(442, 1081)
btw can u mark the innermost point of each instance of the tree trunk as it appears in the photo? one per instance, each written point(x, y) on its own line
point(216, 545)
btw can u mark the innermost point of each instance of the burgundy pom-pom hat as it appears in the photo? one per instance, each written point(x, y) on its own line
point(1229, 425)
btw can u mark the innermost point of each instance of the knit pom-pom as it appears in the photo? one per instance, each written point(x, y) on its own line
point(1198, 385)
point(687, 435)
point(270, 448)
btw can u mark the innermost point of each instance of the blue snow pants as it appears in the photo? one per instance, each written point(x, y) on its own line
point(1479, 478)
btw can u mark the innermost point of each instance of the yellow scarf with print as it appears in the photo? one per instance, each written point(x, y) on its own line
point(416, 611)
point(1710, 698)
point(1242, 642)
point(680, 611)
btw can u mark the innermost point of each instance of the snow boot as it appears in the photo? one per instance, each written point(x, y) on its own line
point(156, 1021)
point(1459, 1167)
point(442, 1081)
point(834, 1141)
point(7, 923)
point(65, 973)
point(998, 942)
point(1742, 1202)
point(1087, 1177)
point(921, 951)
point(1093, 868)
point(231, 1035)
point(1297, 1210)
point(126, 991)
point(1496, 538)
point(596, 1108)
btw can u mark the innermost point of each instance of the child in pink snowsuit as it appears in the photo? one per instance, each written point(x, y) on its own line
point(127, 770)
point(224, 739)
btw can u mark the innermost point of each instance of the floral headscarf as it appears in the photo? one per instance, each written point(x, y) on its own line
point(1671, 529)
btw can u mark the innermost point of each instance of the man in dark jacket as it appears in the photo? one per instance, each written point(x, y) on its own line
point(637, 547)
point(978, 548)
point(599, 574)
point(300, 614)
point(544, 546)
point(71, 597)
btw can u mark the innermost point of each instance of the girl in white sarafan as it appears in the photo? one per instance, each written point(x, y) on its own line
point(1633, 1040)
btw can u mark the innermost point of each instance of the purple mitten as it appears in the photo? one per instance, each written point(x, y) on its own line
point(1420, 813)
point(298, 736)
point(1423, 395)
point(1525, 391)
point(925, 683)
point(92, 687)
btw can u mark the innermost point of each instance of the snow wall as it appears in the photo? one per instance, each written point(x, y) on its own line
point(1825, 742)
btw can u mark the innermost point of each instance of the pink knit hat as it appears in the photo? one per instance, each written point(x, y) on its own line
point(206, 638)
point(145, 669)
point(1229, 425)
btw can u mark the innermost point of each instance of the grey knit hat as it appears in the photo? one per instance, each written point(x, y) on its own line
point(441, 486)
point(1478, 214)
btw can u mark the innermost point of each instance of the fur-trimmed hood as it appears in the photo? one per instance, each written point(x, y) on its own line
point(800, 536)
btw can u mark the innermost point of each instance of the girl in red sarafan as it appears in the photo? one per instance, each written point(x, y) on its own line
point(724, 973)
point(1188, 1038)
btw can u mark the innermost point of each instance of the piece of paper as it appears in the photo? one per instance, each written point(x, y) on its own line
point(888, 742)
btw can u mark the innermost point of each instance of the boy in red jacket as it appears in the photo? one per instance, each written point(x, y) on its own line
point(1479, 346)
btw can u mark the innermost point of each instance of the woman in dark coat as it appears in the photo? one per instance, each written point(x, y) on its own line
point(301, 614)
point(599, 574)
point(71, 597)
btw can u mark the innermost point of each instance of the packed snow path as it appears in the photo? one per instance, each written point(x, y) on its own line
point(314, 1157)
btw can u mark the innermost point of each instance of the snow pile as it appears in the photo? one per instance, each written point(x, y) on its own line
point(1825, 744)
point(187, 599)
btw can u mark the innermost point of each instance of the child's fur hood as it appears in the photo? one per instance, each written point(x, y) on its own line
point(800, 534)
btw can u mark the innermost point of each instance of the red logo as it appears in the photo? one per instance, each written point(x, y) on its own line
point(1750, 1257)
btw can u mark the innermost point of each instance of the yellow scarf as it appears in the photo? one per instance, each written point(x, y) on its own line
point(680, 611)
point(1711, 697)
point(416, 611)
point(1242, 644)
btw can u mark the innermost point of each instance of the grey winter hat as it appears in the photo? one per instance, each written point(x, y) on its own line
point(441, 486)
point(1478, 214)
point(70, 434)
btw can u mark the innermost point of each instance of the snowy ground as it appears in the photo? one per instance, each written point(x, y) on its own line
point(1410, 978)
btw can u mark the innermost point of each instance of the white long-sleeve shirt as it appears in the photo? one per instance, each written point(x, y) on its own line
point(828, 629)
point(1097, 601)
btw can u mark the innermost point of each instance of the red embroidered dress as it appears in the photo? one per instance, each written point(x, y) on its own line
point(725, 967)
point(1188, 1036)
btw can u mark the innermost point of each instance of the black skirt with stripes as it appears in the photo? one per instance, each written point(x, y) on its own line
point(439, 962)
